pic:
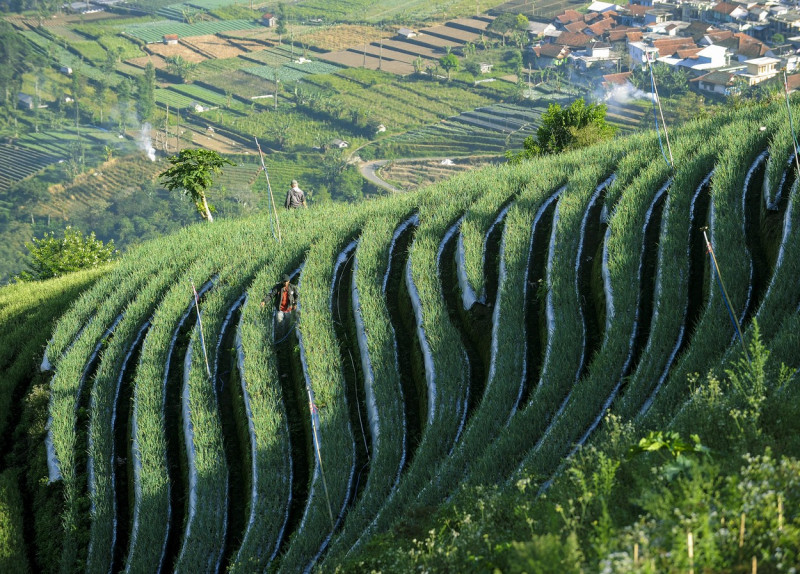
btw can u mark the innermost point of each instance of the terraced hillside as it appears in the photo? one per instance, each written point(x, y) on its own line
point(472, 333)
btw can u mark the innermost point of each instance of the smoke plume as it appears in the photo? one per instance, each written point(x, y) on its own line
point(145, 143)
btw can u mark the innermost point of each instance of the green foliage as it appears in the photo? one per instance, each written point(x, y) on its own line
point(12, 547)
point(193, 172)
point(449, 62)
point(575, 126)
point(52, 257)
point(146, 93)
point(670, 80)
point(180, 67)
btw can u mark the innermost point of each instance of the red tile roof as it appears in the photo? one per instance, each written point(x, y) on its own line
point(573, 40)
point(619, 79)
point(601, 27)
point(724, 8)
point(569, 16)
point(575, 27)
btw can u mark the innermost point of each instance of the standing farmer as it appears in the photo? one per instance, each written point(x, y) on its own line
point(295, 197)
point(287, 303)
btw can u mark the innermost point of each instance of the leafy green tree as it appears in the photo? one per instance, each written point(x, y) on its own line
point(577, 125)
point(147, 92)
point(670, 80)
point(449, 62)
point(53, 257)
point(508, 22)
point(192, 172)
point(179, 66)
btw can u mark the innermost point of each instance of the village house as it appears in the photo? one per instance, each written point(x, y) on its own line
point(170, 39)
point(718, 82)
point(269, 20)
point(760, 70)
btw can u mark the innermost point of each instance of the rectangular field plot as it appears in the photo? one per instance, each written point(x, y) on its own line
point(174, 99)
point(152, 33)
point(173, 50)
point(342, 36)
point(413, 49)
point(450, 34)
point(215, 47)
point(17, 163)
point(291, 72)
point(242, 84)
point(469, 24)
point(354, 59)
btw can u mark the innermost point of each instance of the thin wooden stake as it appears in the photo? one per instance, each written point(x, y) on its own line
point(200, 323)
point(269, 188)
point(690, 550)
point(312, 408)
point(636, 554)
point(741, 531)
point(780, 513)
point(755, 565)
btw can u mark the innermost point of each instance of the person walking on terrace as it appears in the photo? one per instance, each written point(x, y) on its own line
point(287, 304)
point(295, 197)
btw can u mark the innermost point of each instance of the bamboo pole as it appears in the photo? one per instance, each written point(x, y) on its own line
point(690, 551)
point(314, 409)
point(200, 323)
point(741, 531)
point(269, 189)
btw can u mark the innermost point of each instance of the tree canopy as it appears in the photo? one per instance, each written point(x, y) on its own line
point(53, 257)
point(193, 172)
point(449, 62)
point(577, 125)
point(670, 81)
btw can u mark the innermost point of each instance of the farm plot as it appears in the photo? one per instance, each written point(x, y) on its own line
point(291, 71)
point(215, 47)
point(456, 36)
point(354, 59)
point(154, 32)
point(175, 50)
point(408, 175)
point(16, 164)
point(470, 333)
point(341, 36)
point(238, 81)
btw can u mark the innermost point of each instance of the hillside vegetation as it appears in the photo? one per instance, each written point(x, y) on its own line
point(460, 390)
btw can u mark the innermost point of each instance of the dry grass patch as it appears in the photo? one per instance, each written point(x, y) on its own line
point(343, 36)
point(166, 51)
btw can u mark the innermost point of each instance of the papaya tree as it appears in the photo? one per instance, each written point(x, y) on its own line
point(192, 172)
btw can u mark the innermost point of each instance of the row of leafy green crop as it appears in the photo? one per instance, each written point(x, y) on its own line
point(151, 486)
point(87, 325)
point(726, 234)
point(444, 358)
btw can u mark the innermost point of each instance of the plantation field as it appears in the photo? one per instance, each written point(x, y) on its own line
point(16, 164)
point(341, 36)
point(174, 50)
point(485, 340)
point(376, 11)
point(152, 33)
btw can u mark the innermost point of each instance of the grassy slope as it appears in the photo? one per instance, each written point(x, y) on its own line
point(599, 497)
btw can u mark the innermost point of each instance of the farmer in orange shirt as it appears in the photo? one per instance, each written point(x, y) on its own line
point(287, 299)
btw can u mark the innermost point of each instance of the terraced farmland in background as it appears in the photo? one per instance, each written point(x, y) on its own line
point(16, 164)
point(467, 334)
point(483, 131)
